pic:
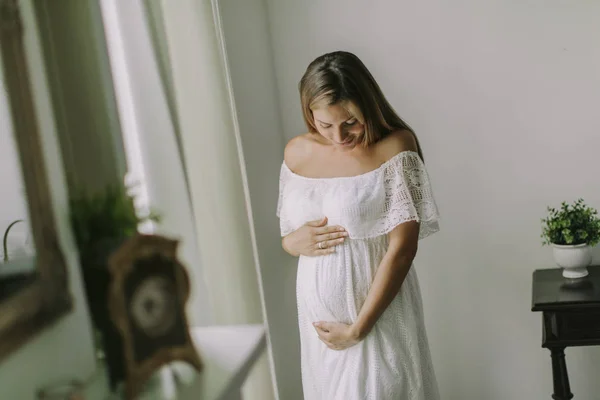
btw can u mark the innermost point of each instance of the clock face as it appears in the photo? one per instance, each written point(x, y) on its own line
point(153, 306)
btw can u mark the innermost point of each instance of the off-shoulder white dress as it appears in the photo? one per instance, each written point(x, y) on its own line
point(393, 362)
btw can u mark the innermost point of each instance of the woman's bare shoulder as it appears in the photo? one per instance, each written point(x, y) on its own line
point(395, 143)
point(299, 149)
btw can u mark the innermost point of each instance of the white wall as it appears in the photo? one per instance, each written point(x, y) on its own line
point(250, 62)
point(69, 341)
point(504, 96)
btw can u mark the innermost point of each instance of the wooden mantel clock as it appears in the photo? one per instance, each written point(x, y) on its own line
point(147, 295)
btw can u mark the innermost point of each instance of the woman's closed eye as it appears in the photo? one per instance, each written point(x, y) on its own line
point(350, 122)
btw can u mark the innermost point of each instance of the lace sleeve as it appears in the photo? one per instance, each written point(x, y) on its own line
point(408, 197)
point(284, 223)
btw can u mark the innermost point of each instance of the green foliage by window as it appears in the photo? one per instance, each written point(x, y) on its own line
point(571, 224)
point(104, 217)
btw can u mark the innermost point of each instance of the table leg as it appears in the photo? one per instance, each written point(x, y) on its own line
point(562, 389)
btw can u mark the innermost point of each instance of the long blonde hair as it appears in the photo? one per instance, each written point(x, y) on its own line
point(341, 77)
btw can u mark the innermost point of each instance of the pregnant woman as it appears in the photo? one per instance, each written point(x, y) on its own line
point(354, 201)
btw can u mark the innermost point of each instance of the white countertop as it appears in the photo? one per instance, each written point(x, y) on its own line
point(227, 352)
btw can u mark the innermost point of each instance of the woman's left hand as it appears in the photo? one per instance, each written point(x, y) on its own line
point(336, 335)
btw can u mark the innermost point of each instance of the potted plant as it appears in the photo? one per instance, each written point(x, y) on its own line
point(101, 223)
point(572, 231)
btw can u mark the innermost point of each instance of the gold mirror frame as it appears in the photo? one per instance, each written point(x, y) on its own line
point(48, 297)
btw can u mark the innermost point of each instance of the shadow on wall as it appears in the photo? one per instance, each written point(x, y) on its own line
point(596, 255)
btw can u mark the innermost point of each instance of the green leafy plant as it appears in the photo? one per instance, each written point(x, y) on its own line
point(5, 239)
point(107, 216)
point(571, 224)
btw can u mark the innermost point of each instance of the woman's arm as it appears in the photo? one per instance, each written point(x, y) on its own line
point(287, 248)
point(390, 275)
point(403, 243)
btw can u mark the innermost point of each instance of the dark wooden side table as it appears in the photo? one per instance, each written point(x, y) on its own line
point(570, 317)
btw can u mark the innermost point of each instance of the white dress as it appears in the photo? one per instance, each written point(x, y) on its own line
point(393, 362)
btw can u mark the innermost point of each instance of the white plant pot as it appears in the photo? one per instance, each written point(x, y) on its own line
point(573, 259)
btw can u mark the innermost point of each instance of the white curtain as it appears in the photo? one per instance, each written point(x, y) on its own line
point(217, 182)
point(174, 99)
point(154, 164)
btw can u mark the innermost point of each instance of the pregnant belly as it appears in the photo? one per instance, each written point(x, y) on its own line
point(334, 287)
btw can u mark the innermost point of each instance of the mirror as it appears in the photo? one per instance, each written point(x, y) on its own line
point(33, 280)
point(17, 252)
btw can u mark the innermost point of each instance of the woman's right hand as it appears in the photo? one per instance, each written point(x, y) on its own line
point(314, 238)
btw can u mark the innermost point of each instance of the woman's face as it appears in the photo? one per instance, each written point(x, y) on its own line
point(336, 124)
